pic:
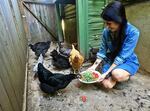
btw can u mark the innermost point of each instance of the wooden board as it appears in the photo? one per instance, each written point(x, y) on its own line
point(46, 14)
point(13, 49)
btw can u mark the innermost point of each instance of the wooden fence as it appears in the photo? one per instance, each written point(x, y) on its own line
point(41, 21)
point(12, 56)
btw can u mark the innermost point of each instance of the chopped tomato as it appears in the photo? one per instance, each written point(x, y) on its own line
point(95, 75)
point(83, 98)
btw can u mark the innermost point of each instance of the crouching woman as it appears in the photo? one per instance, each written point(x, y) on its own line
point(116, 52)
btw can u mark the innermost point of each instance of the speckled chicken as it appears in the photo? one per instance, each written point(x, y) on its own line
point(76, 59)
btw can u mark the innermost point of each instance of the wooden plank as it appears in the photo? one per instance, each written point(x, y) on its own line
point(95, 23)
point(12, 52)
point(48, 23)
point(1, 108)
point(6, 57)
point(70, 33)
point(52, 18)
point(19, 26)
point(41, 22)
point(35, 29)
point(8, 85)
point(21, 42)
point(82, 25)
point(39, 2)
point(14, 41)
point(69, 8)
point(3, 36)
point(59, 28)
point(46, 13)
point(4, 99)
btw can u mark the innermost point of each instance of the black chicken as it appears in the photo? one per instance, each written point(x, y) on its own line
point(92, 55)
point(60, 61)
point(51, 82)
point(40, 48)
point(43, 74)
point(64, 50)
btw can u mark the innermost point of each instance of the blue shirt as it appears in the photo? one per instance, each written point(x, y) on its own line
point(128, 46)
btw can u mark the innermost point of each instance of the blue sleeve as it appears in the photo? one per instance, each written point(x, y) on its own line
point(128, 47)
point(103, 46)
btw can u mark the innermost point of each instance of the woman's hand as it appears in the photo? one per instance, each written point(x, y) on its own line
point(102, 77)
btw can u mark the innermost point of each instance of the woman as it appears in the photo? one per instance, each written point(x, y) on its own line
point(117, 48)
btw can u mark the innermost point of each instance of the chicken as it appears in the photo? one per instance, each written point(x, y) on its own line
point(63, 49)
point(93, 52)
point(40, 60)
point(42, 73)
point(56, 82)
point(76, 59)
point(52, 82)
point(60, 61)
point(40, 48)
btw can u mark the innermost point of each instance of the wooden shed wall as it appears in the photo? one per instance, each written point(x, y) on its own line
point(95, 23)
point(141, 20)
point(89, 24)
point(70, 23)
point(46, 14)
point(12, 56)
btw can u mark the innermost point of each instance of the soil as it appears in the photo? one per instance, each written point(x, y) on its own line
point(133, 95)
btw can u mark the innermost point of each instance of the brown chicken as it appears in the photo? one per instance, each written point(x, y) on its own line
point(76, 59)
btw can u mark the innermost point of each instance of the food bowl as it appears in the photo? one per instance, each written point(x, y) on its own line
point(89, 76)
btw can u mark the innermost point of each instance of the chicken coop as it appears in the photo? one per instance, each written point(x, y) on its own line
point(24, 22)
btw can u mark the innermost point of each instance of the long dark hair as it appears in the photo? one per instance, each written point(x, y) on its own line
point(115, 11)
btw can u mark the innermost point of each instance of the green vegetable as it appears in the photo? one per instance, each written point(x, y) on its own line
point(88, 76)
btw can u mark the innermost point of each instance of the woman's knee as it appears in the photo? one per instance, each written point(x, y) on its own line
point(120, 75)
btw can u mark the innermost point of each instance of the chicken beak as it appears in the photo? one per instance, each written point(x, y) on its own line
point(79, 76)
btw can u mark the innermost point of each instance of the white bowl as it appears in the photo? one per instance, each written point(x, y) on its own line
point(90, 81)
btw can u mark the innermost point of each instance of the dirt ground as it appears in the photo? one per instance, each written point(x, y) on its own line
point(134, 96)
